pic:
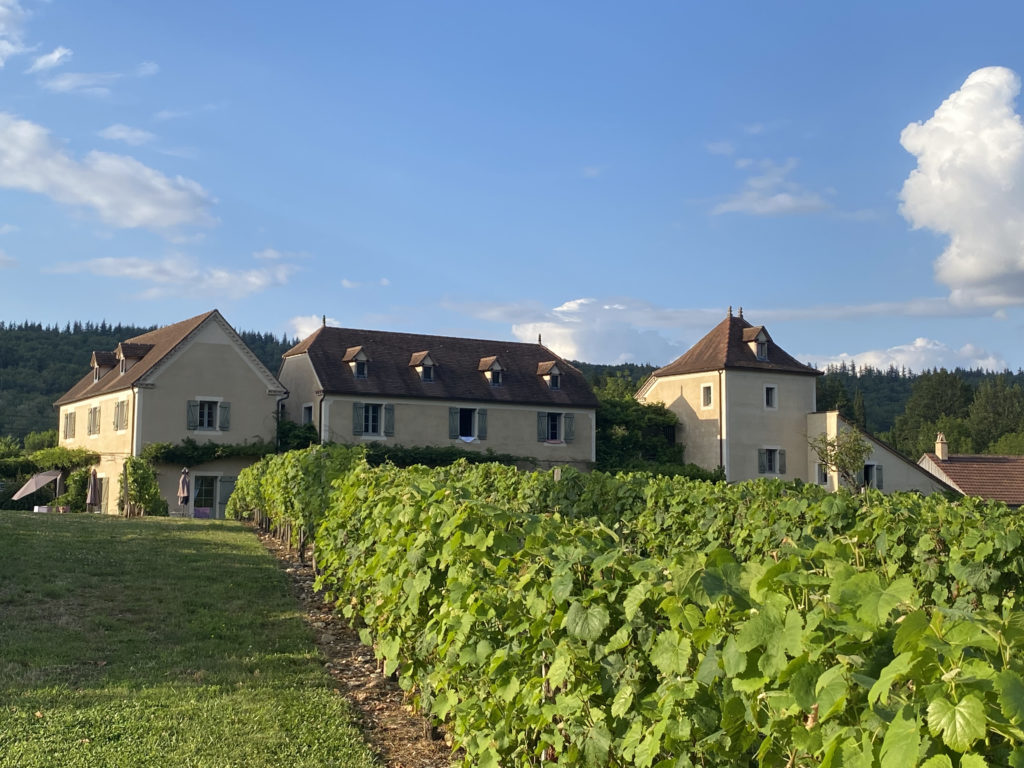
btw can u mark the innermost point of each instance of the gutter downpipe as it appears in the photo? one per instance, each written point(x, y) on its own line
point(320, 418)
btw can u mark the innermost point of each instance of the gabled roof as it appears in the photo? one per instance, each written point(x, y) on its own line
point(999, 478)
point(727, 346)
point(154, 348)
point(458, 368)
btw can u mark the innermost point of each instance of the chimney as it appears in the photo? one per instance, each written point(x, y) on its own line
point(941, 448)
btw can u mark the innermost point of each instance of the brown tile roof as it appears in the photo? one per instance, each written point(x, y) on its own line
point(103, 359)
point(457, 372)
point(133, 350)
point(726, 346)
point(999, 478)
point(160, 343)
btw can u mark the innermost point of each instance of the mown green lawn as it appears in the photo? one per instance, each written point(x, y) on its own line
point(157, 642)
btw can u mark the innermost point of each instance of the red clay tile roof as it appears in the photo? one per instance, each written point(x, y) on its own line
point(1000, 478)
point(726, 346)
point(154, 346)
point(457, 373)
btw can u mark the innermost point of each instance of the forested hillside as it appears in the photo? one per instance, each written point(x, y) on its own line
point(40, 363)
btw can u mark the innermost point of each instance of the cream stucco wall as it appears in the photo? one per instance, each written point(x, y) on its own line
point(168, 475)
point(510, 428)
point(699, 425)
point(298, 377)
point(751, 426)
point(210, 367)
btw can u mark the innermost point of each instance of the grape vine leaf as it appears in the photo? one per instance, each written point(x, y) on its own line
point(973, 761)
point(670, 653)
point(960, 724)
point(586, 623)
point(900, 745)
point(1011, 695)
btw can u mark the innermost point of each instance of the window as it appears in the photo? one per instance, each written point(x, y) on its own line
point(467, 423)
point(307, 413)
point(94, 420)
point(69, 425)
point(770, 397)
point(427, 374)
point(207, 414)
point(373, 419)
point(822, 474)
point(555, 381)
point(771, 461)
point(553, 427)
point(762, 350)
point(496, 378)
point(123, 367)
point(121, 415)
point(205, 499)
point(705, 396)
point(360, 369)
point(96, 374)
point(872, 476)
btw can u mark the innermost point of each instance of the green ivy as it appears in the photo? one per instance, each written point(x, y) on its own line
point(189, 453)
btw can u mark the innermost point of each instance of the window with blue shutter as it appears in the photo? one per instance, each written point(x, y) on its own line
point(569, 427)
point(224, 417)
point(481, 423)
point(357, 418)
point(192, 414)
point(453, 423)
point(389, 420)
point(542, 426)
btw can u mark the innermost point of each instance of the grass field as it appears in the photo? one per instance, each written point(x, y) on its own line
point(157, 642)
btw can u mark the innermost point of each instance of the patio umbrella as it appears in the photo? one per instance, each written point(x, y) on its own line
point(184, 487)
point(36, 482)
point(92, 491)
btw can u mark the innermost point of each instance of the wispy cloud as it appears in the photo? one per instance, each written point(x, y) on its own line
point(183, 276)
point(720, 147)
point(969, 185)
point(591, 171)
point(122, 191)
point(6, 229)
point(6, 262)
point(134, 136)
point(147, 69)
point(770, 193)
point(12, 22)
point(179, 114)
point(89, 83)
point(351, 284)
point(50, 60)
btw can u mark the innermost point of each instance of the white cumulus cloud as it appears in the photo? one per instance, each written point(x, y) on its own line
point(304, 325)
point(969, 185)
point(122, 191)
point(134, 136)
point(183, 276)
point(55, 58)
point(769, 192)
point(918, 355)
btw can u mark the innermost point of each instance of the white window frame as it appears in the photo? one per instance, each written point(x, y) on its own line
point(707, 397)
point(875, 468)
point(821, 473)
point(773, 460)
point(771, 393)
point(210, 407)
point(306, 408)
point(121, 416)
point(761, 349)
point(69, 425)
point(367, 418)
point(427, 374)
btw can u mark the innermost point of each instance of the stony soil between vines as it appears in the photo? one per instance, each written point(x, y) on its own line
point(401, 738)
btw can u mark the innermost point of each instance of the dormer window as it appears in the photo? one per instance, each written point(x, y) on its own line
point(492, 369)
point(423, 365)
point(123, 367)
point(95, 374)
point(757, 340)
point(550, 372)
point(357, 360)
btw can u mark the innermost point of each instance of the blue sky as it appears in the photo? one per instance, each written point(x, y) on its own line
point(612, 176)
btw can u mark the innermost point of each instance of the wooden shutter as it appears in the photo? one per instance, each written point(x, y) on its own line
point(389, 420)
point(542, 426)
point(357, 418)
point(453, 423)
point(878, 476)
point(762, 461)
point(224, 417)
point(481, 423)
point(569, 427)
point(192, 417)
point(782, 461)
point(225, 487)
